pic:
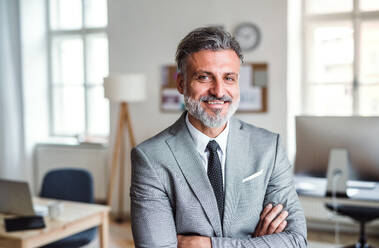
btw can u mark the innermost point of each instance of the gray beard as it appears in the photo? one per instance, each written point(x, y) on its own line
point(196, 110)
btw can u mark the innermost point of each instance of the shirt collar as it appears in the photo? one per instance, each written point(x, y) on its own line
point(201, 140)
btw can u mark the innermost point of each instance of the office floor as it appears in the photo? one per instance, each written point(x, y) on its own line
point(121, 237)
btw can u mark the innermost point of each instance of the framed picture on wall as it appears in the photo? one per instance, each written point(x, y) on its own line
point(171, 99)
point(253, 83)
point(253, 87)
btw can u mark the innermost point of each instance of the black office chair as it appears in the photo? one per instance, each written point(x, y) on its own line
point(360, 214)
point(72, 185)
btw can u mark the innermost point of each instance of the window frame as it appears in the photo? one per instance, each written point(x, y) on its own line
point(82, 32)
point(356, 17)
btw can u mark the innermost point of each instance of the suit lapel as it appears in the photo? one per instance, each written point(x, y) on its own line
point(183, 149)
point(236, 164)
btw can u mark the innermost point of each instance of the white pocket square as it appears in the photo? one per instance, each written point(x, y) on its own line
point(257, 174)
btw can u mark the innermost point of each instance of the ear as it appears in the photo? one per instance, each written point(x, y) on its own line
point(180, 83)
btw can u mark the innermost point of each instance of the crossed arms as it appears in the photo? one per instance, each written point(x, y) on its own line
point(153, 212)
point(272, 220)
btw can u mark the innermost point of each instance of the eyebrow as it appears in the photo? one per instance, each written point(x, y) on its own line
point(196, 73)
point(232, 74)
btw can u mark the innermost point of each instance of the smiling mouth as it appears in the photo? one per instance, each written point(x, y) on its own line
point(215, 102)
point(216, 105)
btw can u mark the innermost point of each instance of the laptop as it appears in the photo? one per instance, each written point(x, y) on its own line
point(15, 198)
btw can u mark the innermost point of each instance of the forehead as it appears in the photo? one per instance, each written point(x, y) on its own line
point(214, 61)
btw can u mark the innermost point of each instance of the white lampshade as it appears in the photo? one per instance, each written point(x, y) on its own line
point(125, 87)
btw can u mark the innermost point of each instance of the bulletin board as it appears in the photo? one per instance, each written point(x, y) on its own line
point(253, 87)
point(171, 99)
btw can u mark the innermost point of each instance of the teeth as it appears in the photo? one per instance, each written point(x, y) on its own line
point(215, 102)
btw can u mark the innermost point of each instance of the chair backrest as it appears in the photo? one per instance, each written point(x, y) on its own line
point(68, 184)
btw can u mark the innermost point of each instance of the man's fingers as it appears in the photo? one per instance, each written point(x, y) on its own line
point(272, 220)
point(281, 227)
point(269, 218)
point(265, 211)
point(276, 222)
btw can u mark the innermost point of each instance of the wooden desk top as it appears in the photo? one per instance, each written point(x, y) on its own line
point(75, 217)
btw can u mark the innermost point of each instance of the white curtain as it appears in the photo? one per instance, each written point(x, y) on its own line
point(11, 112)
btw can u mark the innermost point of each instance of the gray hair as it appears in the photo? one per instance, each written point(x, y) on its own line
point(205, 38)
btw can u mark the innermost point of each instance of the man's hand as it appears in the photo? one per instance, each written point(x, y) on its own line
point(194, 242)
point(272, 220)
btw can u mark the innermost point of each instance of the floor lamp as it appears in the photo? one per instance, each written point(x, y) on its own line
point(122, 89)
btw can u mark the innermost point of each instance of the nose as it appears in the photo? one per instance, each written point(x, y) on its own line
point(217, 88)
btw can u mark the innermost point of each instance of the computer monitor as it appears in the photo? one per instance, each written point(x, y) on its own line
point(316, 136)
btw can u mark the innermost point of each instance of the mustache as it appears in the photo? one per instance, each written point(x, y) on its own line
point(224, 98)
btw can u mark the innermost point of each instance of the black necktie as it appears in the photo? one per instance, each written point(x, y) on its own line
point(215, 176)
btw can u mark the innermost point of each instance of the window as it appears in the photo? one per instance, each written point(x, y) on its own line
point(341, 57)
point(78, 61)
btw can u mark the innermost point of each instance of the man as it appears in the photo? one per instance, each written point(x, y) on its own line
point(211, 180)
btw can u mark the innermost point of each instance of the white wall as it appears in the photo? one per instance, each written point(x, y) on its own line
point(143, 36)
point(34, 79)
point(294, 67)
point(11, 109)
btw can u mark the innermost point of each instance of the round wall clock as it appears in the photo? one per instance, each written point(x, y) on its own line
point(247, 35)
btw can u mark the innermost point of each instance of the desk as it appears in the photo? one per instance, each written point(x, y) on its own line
point(76, 217)
point(320, 218)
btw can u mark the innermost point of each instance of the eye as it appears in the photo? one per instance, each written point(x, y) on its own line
point(231, 79)
point(203, 78)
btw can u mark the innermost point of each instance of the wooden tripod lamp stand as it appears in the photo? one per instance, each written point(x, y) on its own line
point(122, 89)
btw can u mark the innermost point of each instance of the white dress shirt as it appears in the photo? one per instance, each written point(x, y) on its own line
point(201, 141)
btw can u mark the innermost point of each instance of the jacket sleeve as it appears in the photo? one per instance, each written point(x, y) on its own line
point(280, 240)
point(280, 189)
point(152, 215)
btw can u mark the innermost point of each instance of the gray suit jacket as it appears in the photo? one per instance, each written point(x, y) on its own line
point(171, 194)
